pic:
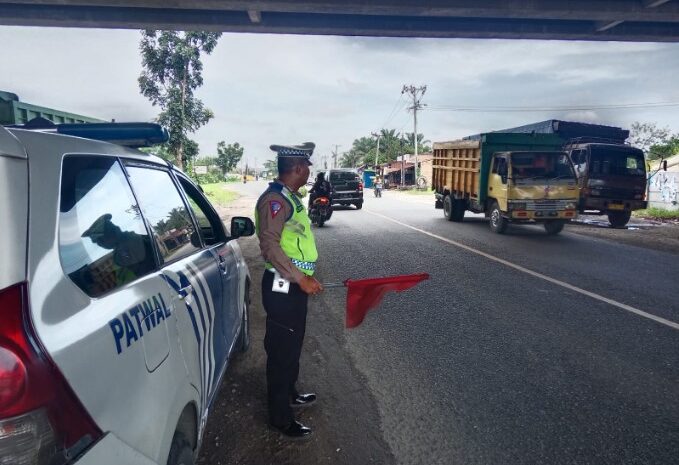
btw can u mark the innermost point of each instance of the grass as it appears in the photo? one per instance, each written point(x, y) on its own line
point(658, 213)
point(218, 194)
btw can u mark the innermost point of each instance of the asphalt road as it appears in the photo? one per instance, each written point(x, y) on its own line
point(487, 364)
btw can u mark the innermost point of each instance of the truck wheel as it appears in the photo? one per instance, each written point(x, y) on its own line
point(618, 220)
point(554, 227)
point(180, 451)
point(498, 224)
point(459, 206)
point(448, 207)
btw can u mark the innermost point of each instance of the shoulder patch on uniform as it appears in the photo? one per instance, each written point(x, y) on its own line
point(275, 207)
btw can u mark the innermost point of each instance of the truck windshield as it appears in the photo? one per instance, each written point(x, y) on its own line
point(541, 165)
point(619, 161)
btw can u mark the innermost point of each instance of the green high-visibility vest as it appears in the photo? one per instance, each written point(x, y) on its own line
point(297, 240)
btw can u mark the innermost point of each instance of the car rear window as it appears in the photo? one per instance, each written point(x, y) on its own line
point(103, 243)
point(343, 176)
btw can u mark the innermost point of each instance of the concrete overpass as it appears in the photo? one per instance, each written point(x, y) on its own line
point(608, 20)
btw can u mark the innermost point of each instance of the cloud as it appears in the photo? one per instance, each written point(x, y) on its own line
point(288, 89)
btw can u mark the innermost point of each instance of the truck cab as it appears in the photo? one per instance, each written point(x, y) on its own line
point(611, 178)
point(530, 186)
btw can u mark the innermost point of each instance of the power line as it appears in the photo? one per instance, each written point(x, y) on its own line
point(394, 111)
point(502, 109)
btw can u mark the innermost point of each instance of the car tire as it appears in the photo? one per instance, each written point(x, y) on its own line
point(243, 342)
point(498, 223)
point(180, 451)
point(619, 220)
point(359, 205)
point(554, 227)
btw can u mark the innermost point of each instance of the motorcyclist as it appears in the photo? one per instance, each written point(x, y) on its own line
point(377, 186)
point(321, 188)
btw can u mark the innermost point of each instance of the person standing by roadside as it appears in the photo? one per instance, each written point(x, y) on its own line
point(289, 249)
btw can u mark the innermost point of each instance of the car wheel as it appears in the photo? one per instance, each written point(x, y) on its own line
point(497, 222)
point(554, 227)
point(243, 343)
point(359, 205)
point(180, 451)
point(618, 220)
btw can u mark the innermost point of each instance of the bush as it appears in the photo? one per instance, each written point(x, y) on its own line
point(213, 175)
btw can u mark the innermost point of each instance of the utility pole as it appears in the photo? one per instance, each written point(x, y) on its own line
point(414, 91)
point(403, 164)
point(377, 152)
point(334, 156)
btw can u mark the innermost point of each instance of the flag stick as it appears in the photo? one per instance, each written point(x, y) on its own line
point(332, 285)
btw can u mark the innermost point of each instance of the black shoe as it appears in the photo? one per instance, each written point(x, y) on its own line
point(296, 431)
point(303, 400)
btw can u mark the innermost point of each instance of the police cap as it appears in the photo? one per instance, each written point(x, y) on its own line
point(300, 151)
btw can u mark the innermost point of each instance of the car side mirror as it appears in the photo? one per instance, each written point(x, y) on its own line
point(241, 226)
point(504, 178)
point(195, 240)
point(664, 165)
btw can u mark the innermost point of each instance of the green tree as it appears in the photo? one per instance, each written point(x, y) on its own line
point(662, 151)
point(351, 159)
point(228, 156)
point(422, 143)
point(172, 71)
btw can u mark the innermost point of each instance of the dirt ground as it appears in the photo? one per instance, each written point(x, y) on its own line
point(650, 234)
point(344, 433)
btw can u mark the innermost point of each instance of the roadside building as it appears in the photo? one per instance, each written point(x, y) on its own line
point(392, 171)
point(14, 111)
point(663, 189)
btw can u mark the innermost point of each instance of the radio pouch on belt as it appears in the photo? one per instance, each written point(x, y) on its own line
point(280, 284)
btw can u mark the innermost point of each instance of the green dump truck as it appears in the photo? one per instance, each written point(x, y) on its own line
point(512, 178)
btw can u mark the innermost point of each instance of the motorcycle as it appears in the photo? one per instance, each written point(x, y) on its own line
point(378, 189)
point(320, 211)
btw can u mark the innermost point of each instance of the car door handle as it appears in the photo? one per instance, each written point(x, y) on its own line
point(184, 292)
point(222, 266)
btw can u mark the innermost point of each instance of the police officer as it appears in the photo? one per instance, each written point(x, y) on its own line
point(288, 246)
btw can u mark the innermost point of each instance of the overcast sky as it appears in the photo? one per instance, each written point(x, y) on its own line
point(268, 89)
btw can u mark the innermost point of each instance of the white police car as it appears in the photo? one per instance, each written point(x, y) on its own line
point(122, 297)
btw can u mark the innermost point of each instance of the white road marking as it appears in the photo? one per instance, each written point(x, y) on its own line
point(535, 274)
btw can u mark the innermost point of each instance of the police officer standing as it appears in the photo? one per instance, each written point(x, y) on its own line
point(289, 248)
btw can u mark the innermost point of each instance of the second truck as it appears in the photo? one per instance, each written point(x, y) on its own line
point(512, 178)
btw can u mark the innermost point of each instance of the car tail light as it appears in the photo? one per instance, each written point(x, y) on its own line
point(360, 185)
point(41, 420)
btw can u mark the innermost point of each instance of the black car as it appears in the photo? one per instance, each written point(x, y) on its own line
point(347, 187)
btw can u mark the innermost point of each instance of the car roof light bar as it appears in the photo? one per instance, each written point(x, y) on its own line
point(127, 134)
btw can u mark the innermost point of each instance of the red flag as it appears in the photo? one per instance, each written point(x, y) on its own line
point(366, 294)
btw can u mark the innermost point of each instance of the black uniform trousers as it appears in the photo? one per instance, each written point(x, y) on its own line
point(285, 327)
